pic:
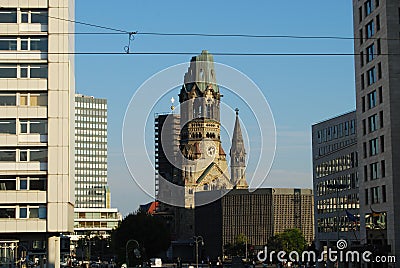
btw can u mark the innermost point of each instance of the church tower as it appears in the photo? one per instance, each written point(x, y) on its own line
point(203, 164)
point(238, 157)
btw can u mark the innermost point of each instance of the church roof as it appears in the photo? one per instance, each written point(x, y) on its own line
point(201, 73)
point(237, 137)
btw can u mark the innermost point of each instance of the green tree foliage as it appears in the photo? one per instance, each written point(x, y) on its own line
point(289, 240)
point(238, 248)
point(149, 231)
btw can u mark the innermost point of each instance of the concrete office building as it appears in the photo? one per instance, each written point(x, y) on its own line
point(93, 212)
point(36, 128)
point(377, 73)
point(335, 181)
point(257, 215)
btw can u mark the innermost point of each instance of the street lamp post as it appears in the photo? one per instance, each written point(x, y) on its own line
point(197, 240)
point(126, 250)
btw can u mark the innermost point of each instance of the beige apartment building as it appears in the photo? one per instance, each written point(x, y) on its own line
point(36, 128)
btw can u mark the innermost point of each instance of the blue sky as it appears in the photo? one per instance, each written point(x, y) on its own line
point(301, 90)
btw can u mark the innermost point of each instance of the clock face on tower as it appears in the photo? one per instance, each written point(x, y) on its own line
point(211, 150)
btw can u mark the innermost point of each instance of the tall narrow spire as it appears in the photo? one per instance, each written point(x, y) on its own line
point(238, 156)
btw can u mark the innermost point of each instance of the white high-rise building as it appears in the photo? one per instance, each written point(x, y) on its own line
point(36, 128)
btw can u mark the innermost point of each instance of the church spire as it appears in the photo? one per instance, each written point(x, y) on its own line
point(238, 156)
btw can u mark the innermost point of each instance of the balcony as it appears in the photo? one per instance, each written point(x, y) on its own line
point(16, 84)
point(21, 167)
point(23, 197)
point(23, 111)
point(25, 55)
point(22, 225)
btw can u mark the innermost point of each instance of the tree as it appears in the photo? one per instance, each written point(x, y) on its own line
point(238, 248)
point(149, 231)
point(289, 240)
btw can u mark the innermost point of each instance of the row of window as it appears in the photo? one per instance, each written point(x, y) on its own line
point(24, 212)
point(336, 146)
point(329, 225)
point(23, 99)
point(375, 195)
point(8, 183)
point(96, 215)
point(375, 170)
point(26, 43)
point(95, 224)
point(333, 204)
point(9, 70)
point(350, 181)
point(374, 146)
point(338, 164)
point(337, 131)
point(25, 126)
point(23, 155)
point(13, 15)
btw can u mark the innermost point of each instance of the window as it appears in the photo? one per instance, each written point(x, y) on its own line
point(361, 36)
point(369, 7)
point(23, 71)
point(7, 184)
point(378, 46)
point(374, 146)
point(373, 123)
point(382, 143)
point(364, 127)
point(378, 22)
point(375, 195)
point(381, 119)
point(8, 99)
point(370, 28)
point(8, 70)
point(383, 193)
point(361, 58)
point(366, 196)
point(371, 76)
point(374, 170)
point(363, 104)
point(7, 155)
point(370, 53)
point(34, 16)
point(8, 15)
point(380, 95)
point(23, 212)
point(33, 127)
point(362, 82)
point(38, 71)
point(383, 168)
point(38, 155)
point(23, 155)
point(8, 43)
point(372, 99)
point(38, 43)
point(7, 126)
point(23, 184)
point(7, 213)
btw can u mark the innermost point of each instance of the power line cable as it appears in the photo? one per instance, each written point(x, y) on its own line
point(131, 33)
point(195, 53)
